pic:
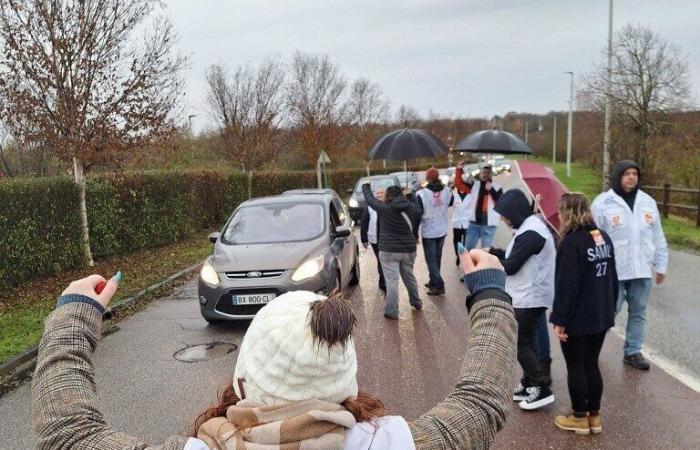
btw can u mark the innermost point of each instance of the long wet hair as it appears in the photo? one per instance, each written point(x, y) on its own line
point(574, 212)
point(332, 321)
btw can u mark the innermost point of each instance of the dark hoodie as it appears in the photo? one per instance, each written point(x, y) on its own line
point(616, 181)
point(435, 186)
point(395, 234)
point(514, 206)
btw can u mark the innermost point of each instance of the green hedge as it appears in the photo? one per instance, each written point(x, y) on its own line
point(39, 228)
point(40, 219)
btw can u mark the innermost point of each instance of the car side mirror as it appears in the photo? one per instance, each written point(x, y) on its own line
point(349, 191)
point(342, 231)
point(213, 237)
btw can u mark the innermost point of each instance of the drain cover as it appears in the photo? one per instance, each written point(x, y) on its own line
point(204, 352)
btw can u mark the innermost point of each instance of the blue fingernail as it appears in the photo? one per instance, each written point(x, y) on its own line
point(118, 277)
point(460, 248)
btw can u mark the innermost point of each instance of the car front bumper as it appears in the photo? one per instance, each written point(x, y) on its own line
point(216, 302)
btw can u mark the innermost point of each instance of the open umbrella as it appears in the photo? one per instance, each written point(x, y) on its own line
point(544, 187)
point(405, 144)
point(493, 141)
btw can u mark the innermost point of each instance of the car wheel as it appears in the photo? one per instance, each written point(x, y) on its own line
point(355, 274)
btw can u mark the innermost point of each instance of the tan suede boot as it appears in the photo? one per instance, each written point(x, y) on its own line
point(578, 425)
point(595, 423)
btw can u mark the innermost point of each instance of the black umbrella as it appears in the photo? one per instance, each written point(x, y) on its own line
point(405, 144)
point(493, 141)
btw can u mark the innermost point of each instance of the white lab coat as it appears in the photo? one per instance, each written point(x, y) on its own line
point(637, 235)
point(462, 212)
point(493, 218)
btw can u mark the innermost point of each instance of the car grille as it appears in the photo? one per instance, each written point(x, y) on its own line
point(253, 274)
point(226, 306)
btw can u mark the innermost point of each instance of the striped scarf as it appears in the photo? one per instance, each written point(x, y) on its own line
point(308, 425)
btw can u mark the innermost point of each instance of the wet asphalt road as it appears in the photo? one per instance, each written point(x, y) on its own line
point(410, 364)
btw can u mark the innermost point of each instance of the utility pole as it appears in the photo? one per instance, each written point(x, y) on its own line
point(570, 129)
point(608, 81)
point(526, 131)
point(554, 140)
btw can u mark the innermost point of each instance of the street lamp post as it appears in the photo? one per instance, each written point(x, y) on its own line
point(570, 127)
point(554, 140)
point(608, 81)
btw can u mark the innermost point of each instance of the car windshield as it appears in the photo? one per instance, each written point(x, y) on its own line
point(404, 176)
point(375, 183)
point(264, 224)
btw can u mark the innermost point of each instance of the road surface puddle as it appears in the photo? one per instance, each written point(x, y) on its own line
point(205, 352)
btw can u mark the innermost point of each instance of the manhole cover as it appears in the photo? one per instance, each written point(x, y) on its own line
point(204, 352)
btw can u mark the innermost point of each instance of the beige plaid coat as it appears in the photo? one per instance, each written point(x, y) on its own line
point(65, 414)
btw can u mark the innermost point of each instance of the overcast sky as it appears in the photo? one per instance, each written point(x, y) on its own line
point(466, 58)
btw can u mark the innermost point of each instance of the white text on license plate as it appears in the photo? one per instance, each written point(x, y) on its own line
point(252, 299)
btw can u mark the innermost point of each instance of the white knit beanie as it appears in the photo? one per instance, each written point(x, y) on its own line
point(279, 362)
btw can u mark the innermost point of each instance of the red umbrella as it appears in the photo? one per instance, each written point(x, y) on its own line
point(544, 187)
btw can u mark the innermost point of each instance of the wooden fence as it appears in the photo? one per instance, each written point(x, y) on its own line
point(666, 205)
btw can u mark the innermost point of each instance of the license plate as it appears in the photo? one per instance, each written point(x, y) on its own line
point(252, 299)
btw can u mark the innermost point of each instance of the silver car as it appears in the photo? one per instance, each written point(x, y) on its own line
point(300, 240)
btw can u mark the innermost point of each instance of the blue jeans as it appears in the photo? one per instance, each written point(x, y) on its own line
point(483, 232)
point(432, 247)
point(542, 337)
point(636, 294)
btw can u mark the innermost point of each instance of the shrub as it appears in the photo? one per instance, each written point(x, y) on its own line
point(39, 228)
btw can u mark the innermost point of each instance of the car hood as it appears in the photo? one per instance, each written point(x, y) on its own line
point(277, 256)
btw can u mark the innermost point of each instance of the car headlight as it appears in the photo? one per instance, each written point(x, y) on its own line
point(208, 274)
point(353, 203)
point(310, 268)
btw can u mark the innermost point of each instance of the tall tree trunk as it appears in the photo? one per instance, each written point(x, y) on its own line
point(79, 175)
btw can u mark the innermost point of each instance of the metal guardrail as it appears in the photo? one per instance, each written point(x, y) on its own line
point(666, 204)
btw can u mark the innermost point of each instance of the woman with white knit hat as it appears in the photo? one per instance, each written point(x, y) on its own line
point(294, 386)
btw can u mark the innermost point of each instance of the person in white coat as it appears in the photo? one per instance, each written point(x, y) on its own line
point(434, 200)
point(485, 193)
point(369, 234)
point(462, 213)
point(631, 219)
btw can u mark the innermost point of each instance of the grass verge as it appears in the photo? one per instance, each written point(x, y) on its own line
point(680, 232)
point(23, 309)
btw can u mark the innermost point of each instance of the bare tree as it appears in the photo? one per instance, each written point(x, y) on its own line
point(407, 116)
point(368, 110)
point(649, 79)
point(73, 79)
point(248, 107)
point(316, 104)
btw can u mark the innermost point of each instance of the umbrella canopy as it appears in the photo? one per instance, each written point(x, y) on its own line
point(540, 181)
point(493, 141)
point(407, 143)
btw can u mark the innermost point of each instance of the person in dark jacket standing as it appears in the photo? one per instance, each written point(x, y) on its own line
point(399, 219)
point(369, 233)
point(529, 262)
point(586, 290)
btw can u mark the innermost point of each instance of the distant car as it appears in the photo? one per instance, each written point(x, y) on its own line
point(300, 240)
point(408, 180)
point(357, 203)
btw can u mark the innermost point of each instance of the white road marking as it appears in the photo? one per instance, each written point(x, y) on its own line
point(668, 366)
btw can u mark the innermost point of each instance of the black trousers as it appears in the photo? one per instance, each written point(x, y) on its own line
point(584, 379)
point(528, 358)
point(459, 235)
point(382, 283)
